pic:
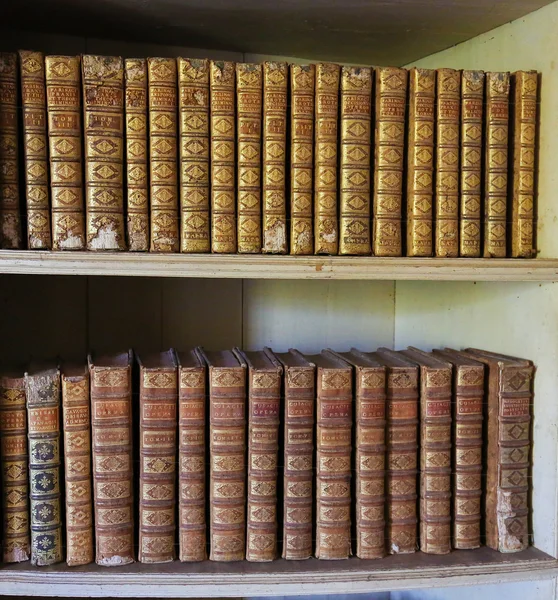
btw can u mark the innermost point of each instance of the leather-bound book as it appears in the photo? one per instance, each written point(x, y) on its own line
point(222, 136)
point(354, 170)
point(274, 153)
point(42, 389)
point(468, 397)
point(420, 161)
point(326, 231)
point(76, 422)
point(334, 393)
point(35, 149)
point(402, 451)
point(227, 450)
point(163, 132)
point(14, 464)
point(137, 183)
point(249, 151)
point(158, 425)
point(193, 122)
point(508, 449)
point(496, 164)
point(111, 431)
point(192, 386)
point(302, 158)
point(298, 457)
point(63, 93)
point(389, 147)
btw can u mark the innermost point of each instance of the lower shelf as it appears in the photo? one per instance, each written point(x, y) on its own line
point(280, 578)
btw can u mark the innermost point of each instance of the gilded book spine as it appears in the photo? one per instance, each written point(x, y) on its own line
point(137, 222)
point(249, 152)
point(163, 92)
point(35, 149)
point(193, 118)
point(420, 161)
point(326, 239)
point(63, 92)
point(354, 175)
point(389, 144)
point(274, 201)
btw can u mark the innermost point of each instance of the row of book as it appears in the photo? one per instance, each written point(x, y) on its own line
point(191, 155)
point(253, 455)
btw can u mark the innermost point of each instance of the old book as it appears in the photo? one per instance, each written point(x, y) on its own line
point(334, 417)
point(35, 149)
point(163, 132)
point(274, 152)
point(192, 387)
point(402, 451)
point(468, 397)
point(193, 119)
point(523, 160)
point(302, 158)
point(63, 92)
point(448, 99)
point(389, 145)
point(420, 161)
point(14, 464)
point(508, 450)
point(249, 87)
point(435, 451)
point(227, 450)
point(496, 164)
point(137, 186)
point(111, 432)
point(158, 424)
point(10, 220)
point(470, 201)
point(326, 231)
point(42, 389)
point(76, 421)
point(298, 456)
point(354, 169)
point(222, 134)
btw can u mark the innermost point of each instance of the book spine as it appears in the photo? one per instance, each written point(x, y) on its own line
point(35, 149)
point(222, 135)
point(15, 473)
point(249, 151)
point(63, 92)
point(354, 175)
point(162, 90)
point(137, 222)
point(420, 161)
point(496, 164)
point(76, 420)
point(193, 103)
point(326, 238)
point(274, 180)
point(470, 201)
point(302, 158)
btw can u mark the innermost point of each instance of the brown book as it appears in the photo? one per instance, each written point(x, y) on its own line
point(468, 397)
point(63, 93)
point(227, 449)
point(420, 161)
point(111, 432)
point(35, 149)
point(137, 186)
point(14, 465)
point(508, 450)
point(76, 421)
point(192, 456)
point(402, 451)
point(158, 424)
